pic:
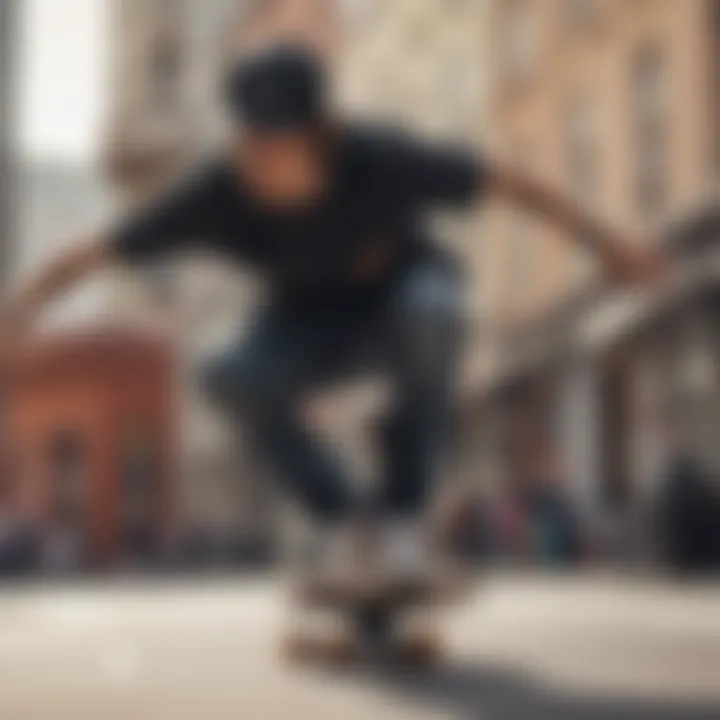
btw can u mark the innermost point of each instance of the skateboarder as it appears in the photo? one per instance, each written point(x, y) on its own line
point(330, 215)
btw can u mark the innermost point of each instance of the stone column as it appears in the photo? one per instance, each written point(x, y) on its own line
point(579, 434)
point(8, 10)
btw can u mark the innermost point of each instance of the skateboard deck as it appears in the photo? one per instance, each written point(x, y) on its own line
point(377, 617)
point(419, 649)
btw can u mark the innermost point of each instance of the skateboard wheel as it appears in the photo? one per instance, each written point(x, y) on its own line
point(421, 652)
point(300, 649)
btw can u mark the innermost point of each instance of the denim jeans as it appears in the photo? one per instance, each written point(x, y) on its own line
point(412, 335)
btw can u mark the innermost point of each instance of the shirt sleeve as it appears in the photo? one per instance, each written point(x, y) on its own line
point(181, 216)
point(437, 175)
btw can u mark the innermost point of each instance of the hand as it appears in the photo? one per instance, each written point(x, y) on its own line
point(645, 265)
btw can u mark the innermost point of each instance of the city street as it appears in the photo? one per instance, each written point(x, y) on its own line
point(524, 647)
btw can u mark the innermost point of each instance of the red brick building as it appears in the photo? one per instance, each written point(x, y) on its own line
point(90, 435)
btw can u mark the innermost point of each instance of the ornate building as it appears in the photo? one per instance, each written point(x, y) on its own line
point(616, 103)
point(90, 418)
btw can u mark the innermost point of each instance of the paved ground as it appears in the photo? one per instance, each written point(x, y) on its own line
point(523, 648)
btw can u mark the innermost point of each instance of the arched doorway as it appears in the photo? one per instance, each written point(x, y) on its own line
point(140, 493)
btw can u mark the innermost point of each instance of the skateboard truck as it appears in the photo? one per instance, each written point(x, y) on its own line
point(373, 627)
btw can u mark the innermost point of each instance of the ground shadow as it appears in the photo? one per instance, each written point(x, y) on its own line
point(484, 693)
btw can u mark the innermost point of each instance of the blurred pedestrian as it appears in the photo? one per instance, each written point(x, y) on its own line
point(17, 547)
point(688, 516)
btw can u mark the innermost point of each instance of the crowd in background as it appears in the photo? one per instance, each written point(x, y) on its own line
point(534, 520)
point(529, 521)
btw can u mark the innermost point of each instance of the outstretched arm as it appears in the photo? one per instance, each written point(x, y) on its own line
point(167, 224)
point(447, 176)
point(623, 259)
point(72, 266)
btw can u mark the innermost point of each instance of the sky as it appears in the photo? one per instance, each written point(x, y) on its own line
point(62, 66)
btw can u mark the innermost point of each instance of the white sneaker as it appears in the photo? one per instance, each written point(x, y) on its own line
point(346, 552)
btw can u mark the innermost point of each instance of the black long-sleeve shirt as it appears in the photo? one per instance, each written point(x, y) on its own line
point(384, 183)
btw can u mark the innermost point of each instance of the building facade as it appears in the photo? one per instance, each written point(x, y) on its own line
point(615, 103)
point(164, 113)
point(90, 417)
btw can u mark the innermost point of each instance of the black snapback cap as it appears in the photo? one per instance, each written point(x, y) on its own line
point(281, 88)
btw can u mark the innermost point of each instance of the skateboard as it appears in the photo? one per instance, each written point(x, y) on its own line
point(382, 621)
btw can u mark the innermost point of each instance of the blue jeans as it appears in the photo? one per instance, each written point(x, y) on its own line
point(412, 335)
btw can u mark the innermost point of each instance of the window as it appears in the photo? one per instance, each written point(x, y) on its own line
point(519, 41)
point(582, 144)
point(166, 53)
point(170, 8)
point(714, 94)
point(650, 131)
point(583, 161)
point(140, 492)
point(581, 13)
point(166, 73)
point(421, 27)
point(360, 12)
point(68, 479)
point(460, 89)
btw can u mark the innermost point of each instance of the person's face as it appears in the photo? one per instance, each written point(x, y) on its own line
point(284, 169)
